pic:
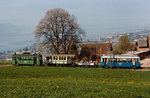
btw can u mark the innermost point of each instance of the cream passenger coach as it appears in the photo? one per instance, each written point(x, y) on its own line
point(61, 59)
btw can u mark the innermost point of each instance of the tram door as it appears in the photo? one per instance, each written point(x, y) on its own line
point(34, 60)
point(50, 59)
point(15, 60)
point(133, 61)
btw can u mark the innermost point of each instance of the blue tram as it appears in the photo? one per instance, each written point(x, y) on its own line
point(120, 61)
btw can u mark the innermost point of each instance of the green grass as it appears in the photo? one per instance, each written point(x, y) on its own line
point(66, 82)
point(4, 62)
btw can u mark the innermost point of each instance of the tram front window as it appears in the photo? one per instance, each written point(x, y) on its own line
point(47, 58)
point(137, 60)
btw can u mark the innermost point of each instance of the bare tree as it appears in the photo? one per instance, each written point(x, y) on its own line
point(58, 31)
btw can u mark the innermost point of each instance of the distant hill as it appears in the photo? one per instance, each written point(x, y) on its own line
point(8, 54)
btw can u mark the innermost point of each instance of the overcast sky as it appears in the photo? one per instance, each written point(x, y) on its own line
point(18, 18)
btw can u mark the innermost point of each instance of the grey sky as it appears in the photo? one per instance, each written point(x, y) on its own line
point(96, 17)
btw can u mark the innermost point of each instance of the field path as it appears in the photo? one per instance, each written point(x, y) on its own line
point(145, 62)
point(145, 69)
point(5, 65)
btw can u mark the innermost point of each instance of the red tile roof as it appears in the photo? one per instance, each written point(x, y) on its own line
point(95, 50)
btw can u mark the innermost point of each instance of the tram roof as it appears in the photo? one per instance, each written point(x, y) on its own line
point(25, 54)
point(120, 56)
point(139, 52)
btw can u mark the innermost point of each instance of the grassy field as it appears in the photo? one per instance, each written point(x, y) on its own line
point(66, 82)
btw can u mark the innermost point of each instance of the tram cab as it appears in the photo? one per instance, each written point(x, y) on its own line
point(129, 61)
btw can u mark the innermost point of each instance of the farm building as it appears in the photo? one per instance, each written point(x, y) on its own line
point(143, 48)
point(143, 44)
point(142, 54)
point(95, 50)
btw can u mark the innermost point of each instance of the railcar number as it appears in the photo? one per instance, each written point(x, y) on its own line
point(120, 63)
point(25, 61)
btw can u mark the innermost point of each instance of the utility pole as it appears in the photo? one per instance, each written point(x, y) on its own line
point(96, 53)
point(110, 54)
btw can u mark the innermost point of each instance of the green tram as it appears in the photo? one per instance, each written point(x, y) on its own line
point(26, 58)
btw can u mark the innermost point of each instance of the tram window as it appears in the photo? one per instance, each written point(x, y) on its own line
point(133, 60)
point(103, 60)
point(53, 58)
point(124, 60)
point(64, 58)
point(119, 60)
point(113, 60)
point(129, 60)
point(60, 58)
point(47, 58)
point(137, 60)
point(30, 58)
